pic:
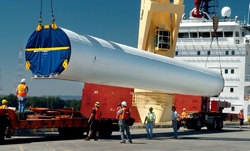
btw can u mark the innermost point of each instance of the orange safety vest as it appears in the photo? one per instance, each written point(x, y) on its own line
point(97, 113)
point(240, 115)
point(184, 114)
point(125, 115)
point(3, 106)
point(21, 90)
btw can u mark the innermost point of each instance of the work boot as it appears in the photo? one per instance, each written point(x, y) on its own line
point(96, 139)
point(87, 139)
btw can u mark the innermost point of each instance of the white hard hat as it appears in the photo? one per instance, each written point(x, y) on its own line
point(97, 104)
point(23, 81)
point(184, 108)
point(124, 103)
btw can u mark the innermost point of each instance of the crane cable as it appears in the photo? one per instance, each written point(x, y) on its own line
point(39, 26)
point(53, 24)
point(215, 27)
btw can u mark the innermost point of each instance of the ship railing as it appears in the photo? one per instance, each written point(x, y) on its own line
point(207, 41)
point(232, 79)
point(226, 98)
point(202, 20)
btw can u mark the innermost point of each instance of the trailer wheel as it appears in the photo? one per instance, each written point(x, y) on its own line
point(2, 128)
point(63, 132)
point(198, 125)
point(77, 131)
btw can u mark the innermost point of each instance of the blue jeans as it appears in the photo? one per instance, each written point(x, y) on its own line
point(21, 104)
point(124, 126)
point(174, 125)
point(149, 130)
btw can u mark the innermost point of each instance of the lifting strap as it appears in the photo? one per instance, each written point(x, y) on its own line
point(53, 24)
point(215, 27)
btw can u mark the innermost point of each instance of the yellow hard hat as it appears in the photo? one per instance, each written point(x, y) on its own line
point(97, 104)
point(4, 102)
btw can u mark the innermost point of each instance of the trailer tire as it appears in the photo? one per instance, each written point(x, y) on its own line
point(64, 132)
point(3, 120)
point(198, 125)
point(215, 124)
point(220, 124)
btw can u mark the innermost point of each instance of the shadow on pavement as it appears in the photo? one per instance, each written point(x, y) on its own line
point(183, 135)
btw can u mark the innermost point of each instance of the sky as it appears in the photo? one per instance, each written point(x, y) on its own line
point(113, 20)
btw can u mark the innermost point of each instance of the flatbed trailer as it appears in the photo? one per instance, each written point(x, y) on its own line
point(68, 121)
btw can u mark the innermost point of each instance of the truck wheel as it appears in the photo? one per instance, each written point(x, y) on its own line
point(198, 125)
point(220, 124)
point(215, 123)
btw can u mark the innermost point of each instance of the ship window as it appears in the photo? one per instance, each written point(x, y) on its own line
point(227, 53)
point(233, 52)
point(204, 34)
point(228, 34)
point(193, 35)
point(162, 39)
point(232, 71)
point(226, 71)
point(198, 53)
point(237, 34)
point(237, 41)
point(176, 53)
point(232, 108)
point(183, 35)
point(219, 34)
point(208, 53)
point(243, 34)
point(231, 89)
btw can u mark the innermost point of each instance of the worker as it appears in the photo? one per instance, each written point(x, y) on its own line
point(21, 92)
point(117, 109)
point(184, 113)
point(7, 130)
point(241, 118)
point(174, 122)
point(124, 115)
point(94, 121)
point(150, 118)
point(4, 104)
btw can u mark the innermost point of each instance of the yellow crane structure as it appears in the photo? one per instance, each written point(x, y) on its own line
point(158, 32)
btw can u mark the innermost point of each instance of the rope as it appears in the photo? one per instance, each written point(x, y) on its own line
point(52, 16)
point(219, 55)
point(40, 19)
point(209, 50)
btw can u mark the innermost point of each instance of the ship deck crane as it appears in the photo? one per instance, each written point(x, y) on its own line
point(158, 33)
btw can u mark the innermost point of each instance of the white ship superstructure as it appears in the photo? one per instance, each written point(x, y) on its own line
point(230, 56)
